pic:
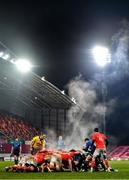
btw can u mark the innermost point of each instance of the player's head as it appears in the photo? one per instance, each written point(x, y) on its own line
point(42, 136)
point(96, 130)
point(60, 137)
point(86, 139)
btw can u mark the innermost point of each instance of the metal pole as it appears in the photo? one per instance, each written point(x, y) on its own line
point(104, 93)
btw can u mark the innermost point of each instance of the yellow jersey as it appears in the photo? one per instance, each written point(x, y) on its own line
point(38, 143)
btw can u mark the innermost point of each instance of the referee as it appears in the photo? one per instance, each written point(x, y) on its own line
point(38, 143)
point(16, 150)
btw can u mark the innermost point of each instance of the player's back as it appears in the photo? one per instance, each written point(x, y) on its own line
point(40, 157)
point(99, 139)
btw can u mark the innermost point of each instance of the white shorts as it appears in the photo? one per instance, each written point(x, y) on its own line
point(53, 159)
point(101, 152)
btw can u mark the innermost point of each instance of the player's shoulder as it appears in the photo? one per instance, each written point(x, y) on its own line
point(94, 134)
point(104, 136)
point(35, 138)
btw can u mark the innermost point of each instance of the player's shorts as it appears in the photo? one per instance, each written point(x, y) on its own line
point(16, 152)
point(55, 160)
point(100, 152)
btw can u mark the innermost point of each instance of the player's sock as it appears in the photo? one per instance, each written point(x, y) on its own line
point(92, 165)
point(107, 163)
point(16, 162)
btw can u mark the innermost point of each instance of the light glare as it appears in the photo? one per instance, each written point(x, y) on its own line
point(6, 57)
point(23, 65)
point(101, 55)
point(1, 54)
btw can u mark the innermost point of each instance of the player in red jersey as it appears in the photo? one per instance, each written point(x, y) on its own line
point(101, 143)
point(66, 159)
point(30, 163)
point(40, 157)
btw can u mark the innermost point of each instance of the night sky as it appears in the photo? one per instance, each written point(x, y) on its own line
point(56, 35)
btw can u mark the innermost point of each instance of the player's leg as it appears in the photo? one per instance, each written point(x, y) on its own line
point(96, 153)
point(106, 160)
point(16, 159)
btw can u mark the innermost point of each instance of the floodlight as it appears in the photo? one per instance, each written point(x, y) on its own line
point(23, 65)
point(73, 99)
point(1, 54)
point(101, 55)
point(43, 78)
point(63, 92)
point(12, 61)
point(5, 56)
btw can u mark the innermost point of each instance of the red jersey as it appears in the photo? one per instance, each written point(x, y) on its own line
point(72, 154)
point(99, 139)
point(40, 157)
point(66, 156)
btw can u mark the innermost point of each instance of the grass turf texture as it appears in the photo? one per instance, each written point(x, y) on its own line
point(122, 166)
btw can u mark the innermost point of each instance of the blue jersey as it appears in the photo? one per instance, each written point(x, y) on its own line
point(90, 146)
point(16, 145)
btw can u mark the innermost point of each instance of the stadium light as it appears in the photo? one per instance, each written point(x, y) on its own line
point(73, 99)
point(5, 56)
point(43, 78)
point(101, 55)
point(63, 92)
point(12, 61)
point(1, 54)
point(23, 65)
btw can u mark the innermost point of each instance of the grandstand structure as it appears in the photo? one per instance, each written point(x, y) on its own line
point(120, 153)
point(33, 98)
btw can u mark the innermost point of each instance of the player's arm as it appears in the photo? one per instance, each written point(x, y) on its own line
point(12, 150)
point(93, 141)
point(31, 144)
point(20, 149)
point(44, 145)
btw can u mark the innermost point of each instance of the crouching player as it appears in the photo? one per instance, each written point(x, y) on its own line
point(31, 163)
point(26, 164)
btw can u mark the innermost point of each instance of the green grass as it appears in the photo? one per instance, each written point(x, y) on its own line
point(122, 166)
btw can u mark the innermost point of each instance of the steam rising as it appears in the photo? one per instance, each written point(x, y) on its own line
point(120, 50)
point(84, 116)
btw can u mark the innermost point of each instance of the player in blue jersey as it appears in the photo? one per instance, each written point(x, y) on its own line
point(89, 146)
point(16, 150)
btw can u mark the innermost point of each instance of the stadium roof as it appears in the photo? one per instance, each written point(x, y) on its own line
point(30, 89)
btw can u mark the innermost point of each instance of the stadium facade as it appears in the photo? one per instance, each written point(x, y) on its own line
point(33, 98)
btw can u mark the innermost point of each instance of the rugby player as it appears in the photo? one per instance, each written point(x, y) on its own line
point(101, 143)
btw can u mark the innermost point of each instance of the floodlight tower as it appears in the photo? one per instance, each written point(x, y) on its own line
point(102, 57)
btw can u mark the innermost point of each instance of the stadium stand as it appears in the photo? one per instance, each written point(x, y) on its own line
point(33, 98)
point(12, 126)
point(119, 153)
